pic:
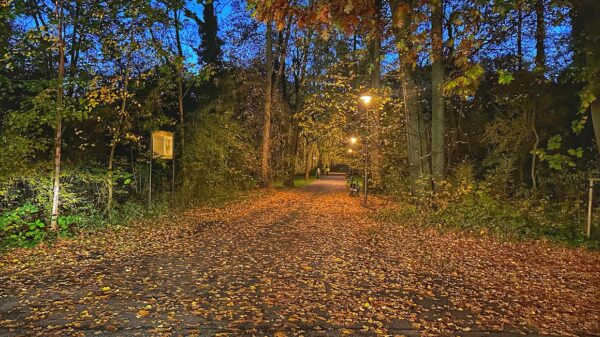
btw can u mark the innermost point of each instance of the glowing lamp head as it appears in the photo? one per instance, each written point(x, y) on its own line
point(349, 150)
point(353, 140)
point(366, 99)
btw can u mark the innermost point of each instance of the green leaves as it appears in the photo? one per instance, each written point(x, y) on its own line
point(555, 142)
point(505, 77)
point(21, 226)
point(556, 160)
point(466, 83)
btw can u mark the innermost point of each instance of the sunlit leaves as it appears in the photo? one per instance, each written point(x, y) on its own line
point(466, 83)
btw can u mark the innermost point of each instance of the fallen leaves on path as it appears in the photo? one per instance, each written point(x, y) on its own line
point(307, 262)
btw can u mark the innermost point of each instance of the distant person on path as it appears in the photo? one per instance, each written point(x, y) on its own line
point(326, 170)
point(318, 174)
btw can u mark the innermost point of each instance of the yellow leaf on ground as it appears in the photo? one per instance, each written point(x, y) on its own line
point(143, 313)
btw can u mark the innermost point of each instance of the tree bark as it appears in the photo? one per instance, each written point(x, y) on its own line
point(540, 66)
point(376, 85)
point(293, 150)
point(540, 36)
point(307, 157)
point(438, 129)
point(419, 162)
point(179, 67)
point(115, 140)
point(589, 19)
point(595, 107)
point(536, 143)
point(75, 41)
point(58, 127)
point(299, 72)
point(265, 166)
point(519, 35)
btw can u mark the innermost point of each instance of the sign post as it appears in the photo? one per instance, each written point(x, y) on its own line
point(161, 147)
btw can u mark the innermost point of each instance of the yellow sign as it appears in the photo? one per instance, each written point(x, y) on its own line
point(162, 144)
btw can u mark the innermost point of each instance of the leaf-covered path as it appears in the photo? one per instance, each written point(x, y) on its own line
point(296, 262)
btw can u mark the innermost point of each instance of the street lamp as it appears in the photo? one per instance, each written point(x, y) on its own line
point(349, 150)
point(366, 99)
point(353, 140)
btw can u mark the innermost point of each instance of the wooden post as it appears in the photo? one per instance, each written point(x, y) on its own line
point(173, 173)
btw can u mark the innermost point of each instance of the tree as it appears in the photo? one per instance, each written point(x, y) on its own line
point(209, 50)
point(404, 21)
point(586, 27)
point(179, 64)
point(438, 122)
point(540, 68)
point(265, 152)
point(59, 107)
point(375, 37)
point(210, 46)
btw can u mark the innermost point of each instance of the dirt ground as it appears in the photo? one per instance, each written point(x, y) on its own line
point(299, 262)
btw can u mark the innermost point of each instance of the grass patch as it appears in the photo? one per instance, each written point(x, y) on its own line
point(299, 181)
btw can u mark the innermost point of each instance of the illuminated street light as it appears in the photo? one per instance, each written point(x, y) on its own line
point(353, 140)
point(349, 150)
point(366, 99)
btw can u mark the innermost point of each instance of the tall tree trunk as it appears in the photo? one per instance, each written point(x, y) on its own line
point(299, 72)
point(293, 150)
point(519, 35)
point(376, 85)
point(595, 107)
point(588, 21)
point(419, 162)
point(416, 142)
point(75, 41)
point(116, 137)
point(534, 155)
point(59, 107)
point(111, 158)
point(283, 101)
point(265, 166)
point(540, 67)
point(179, 67)
point(438, 130)
point(540, 36)
point(307, 157)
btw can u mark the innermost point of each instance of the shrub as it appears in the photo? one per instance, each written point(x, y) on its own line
point(477, 207)
point(21, 226)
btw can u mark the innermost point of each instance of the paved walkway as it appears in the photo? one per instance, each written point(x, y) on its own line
point(303, 262)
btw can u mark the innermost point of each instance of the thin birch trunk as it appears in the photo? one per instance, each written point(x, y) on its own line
point(58, 127)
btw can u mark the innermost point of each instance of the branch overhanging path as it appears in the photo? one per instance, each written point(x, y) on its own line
point(308, 262)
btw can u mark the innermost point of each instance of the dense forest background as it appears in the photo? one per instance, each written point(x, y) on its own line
point(483, 114)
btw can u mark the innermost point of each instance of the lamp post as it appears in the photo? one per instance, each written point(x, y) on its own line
point(366, 99)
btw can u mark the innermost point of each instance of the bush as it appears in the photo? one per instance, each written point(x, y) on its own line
point(477, 207)
point(21, 226)
point(218, 161)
